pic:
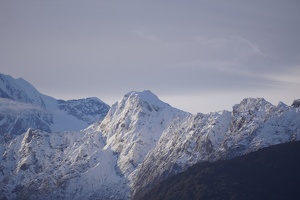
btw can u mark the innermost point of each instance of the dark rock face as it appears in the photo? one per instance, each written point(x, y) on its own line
point(270, 173)
point(296, 103)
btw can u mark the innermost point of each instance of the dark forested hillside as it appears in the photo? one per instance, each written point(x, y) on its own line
point(270, 173)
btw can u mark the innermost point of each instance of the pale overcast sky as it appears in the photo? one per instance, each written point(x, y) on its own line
point(196, 55)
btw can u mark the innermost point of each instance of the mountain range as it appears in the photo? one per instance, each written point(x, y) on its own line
point(69, 151)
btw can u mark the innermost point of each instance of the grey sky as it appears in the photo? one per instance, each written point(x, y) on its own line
point(199, 56)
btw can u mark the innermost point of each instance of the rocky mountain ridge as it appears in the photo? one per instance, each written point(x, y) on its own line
point(252, 125)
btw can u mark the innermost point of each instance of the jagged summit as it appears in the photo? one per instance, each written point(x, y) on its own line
point(135, 104)
point(251, 103)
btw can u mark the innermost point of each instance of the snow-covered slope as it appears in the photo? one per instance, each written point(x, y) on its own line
point(23, 107)
point(70, 165)
point(139, 143)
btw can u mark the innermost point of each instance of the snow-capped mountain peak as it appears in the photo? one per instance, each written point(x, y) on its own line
point(144, 100)
point(147, 96)
point(134, 124)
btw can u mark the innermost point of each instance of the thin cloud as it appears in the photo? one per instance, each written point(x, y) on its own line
point(8, 106)
point(235, 46)
point(250, 44)
point(146, 35)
